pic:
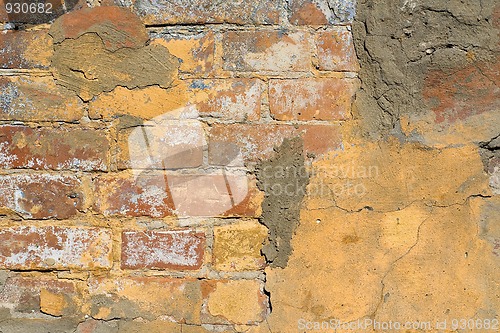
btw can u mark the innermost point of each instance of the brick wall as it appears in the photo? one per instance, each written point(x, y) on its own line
point(132, 206)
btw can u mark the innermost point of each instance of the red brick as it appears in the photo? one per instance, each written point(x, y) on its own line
point(25, 49)
point(23, 295)
point(37, 99)
point(41, 196)
point(198, 193)
point(269, 50)
point(257, 142)
point(125, 195)
point(128, 26)
point(336, 50)
point(174, 249)
point(208, 11)
point(27, 248)
point(311, 99)
point(251, 142)
point(463, 92)
point(214, 193)
point(229, 99)
point(321, 139)
point(49, 148)
point(321, 12)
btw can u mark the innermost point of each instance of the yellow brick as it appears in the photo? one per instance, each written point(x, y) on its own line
point(52, 304)
point(237, 247)
point(240, 301)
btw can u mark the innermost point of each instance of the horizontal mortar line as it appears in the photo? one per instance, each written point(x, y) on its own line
point(14, 72)
point(266, 121)
point(189, 27)
point(272, 75)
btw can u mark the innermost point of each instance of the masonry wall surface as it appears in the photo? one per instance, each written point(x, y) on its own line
point(250, 166)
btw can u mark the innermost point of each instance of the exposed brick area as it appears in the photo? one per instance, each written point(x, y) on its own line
point(37, 99)
point(336, 50)
point(131, 137)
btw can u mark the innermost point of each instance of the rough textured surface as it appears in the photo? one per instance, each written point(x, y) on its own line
point(238, 247)
point(283, 178)
point(250, 166)
point(240, 301)
point(430, 68)
point(207, 11)
point(92, 56)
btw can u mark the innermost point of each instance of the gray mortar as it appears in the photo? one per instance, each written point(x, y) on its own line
point(399, 41)
point(281, 211)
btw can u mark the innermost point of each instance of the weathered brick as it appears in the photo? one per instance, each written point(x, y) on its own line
point(336, 50)
point(251, 205)
point(148, 297)
point(173, 249)
point(197, 193)
point(214, 193)
point(237, 247)
point(28, 296)
point(238, 302)
point(37, 98)
point(196, 50)
point(26, 248)
point(41, 196)
point(266, 50)
point(162, 144)
point(229, 99)
point(321, 12)
point(126, 195)
point(311, 99)
point(321, 139)
point(139, 104)
point(208, 11)
point(49, 148)
point(252, 142)
point(89, 20)
point(25, 49)
point(257, 141)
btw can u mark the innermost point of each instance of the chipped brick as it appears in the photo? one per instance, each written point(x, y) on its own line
point(41, 196)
